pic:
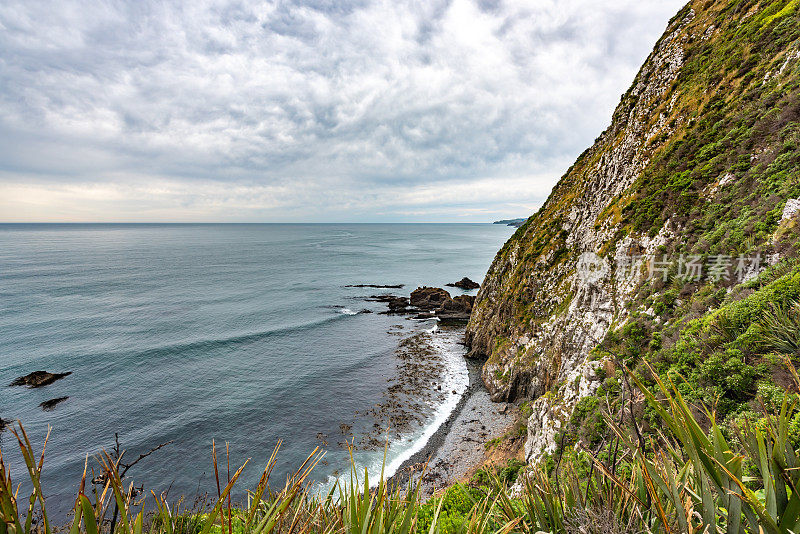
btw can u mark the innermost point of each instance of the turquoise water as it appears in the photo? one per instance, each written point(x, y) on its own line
point(240, 333)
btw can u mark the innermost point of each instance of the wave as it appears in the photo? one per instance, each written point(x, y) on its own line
point(239, 339)
point(331, 239)
point(455, 383)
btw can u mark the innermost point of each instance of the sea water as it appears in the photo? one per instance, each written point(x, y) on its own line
point(244, 334)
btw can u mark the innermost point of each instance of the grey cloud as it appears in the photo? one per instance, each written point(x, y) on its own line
point(370, 97)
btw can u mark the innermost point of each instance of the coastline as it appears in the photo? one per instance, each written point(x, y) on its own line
point(457, 447)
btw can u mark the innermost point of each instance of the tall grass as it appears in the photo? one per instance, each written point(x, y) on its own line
point(688, 478)
point(780, 328)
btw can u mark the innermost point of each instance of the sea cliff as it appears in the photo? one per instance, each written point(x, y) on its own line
point(699, 162)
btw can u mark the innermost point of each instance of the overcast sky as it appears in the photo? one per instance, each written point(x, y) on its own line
point(314, 110)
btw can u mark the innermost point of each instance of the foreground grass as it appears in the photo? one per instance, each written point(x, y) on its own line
point(693, 478)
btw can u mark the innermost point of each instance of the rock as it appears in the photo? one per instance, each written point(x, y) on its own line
point(792, 206)
point(3, 424)
point(453, 306)
point(465, 301)
point(38, 379)
point(427, 301)
point(52, 403)
point(386, 297)
point(465, 283)
point(365, 310)
point(397, 304)
point(429, 298)
point(456, 309)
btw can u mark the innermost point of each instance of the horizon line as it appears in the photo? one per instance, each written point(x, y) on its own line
point(232, 222)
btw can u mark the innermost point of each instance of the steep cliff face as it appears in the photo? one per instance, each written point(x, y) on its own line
point(700, 159)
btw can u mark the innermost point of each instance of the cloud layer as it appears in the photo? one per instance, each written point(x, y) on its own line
point(306, 110)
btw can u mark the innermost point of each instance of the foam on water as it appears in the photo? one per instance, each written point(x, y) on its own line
point(455, 383)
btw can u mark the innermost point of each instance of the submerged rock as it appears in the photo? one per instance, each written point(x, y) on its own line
point(465, 283)
point(3, 424)
point(398, 303)
point(52, 403)
point(38, 379)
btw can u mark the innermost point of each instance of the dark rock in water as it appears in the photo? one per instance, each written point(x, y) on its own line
point(52, 403)
point(456, 309)
point(398, 304)
point(365, 310)
point(465, 283)
point(39, 379)
point(378, 286)
point(429, 298)
point(4, 424)
point(384, 298)
point(426, 302)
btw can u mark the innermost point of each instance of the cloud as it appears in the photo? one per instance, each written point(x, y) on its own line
point(305, 110)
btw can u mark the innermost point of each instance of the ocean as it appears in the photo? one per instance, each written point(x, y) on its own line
point(241, 333)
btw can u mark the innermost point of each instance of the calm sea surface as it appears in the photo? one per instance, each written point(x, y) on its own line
point(240, 333)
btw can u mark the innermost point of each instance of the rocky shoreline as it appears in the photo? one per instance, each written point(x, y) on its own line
point(458, 446)
point(411, 393)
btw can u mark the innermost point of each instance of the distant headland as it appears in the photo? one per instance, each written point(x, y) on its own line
point(512, 222)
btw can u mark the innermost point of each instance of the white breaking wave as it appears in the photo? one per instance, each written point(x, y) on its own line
point(454, 384)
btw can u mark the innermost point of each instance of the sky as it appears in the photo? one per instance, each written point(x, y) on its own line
point(306, 110)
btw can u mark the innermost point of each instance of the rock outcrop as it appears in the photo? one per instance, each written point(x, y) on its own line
point(51, 404)
point(38, 379)
point(456, 309)
point(429, 302)
point(465, 283)
point(429, 298)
